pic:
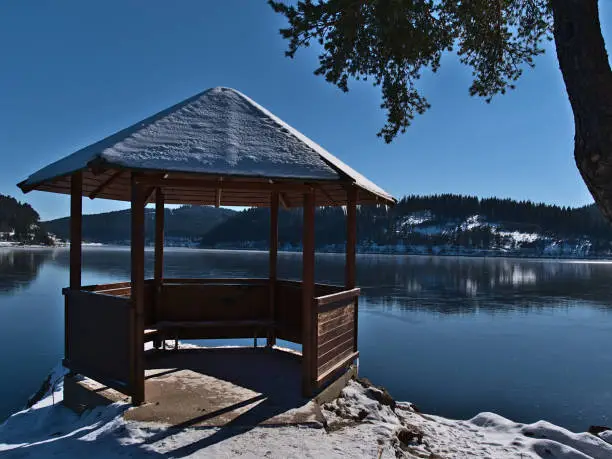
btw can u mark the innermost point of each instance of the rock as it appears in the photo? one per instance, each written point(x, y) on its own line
point(40, 393)
point(407, 406)
point(379, 394)
point(382, 396)
point(596, 430)
point(409, 435)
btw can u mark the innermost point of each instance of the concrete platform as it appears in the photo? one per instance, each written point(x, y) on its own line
point(242, 387)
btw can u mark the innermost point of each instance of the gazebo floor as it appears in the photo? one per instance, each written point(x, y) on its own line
point(218, 387)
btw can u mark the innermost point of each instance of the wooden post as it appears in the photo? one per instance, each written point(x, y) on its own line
point(351, 238)
point(76, 230)
point(158, 270)
point(137, 254)
point(274, 200)
point(309, 331)
point(76, 226)
point(351, 248)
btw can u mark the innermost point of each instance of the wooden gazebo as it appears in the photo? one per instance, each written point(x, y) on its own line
point(216, 148)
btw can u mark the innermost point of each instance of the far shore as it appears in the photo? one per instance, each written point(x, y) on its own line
point(509, 256)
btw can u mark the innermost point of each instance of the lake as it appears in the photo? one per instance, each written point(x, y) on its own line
point(528, 339)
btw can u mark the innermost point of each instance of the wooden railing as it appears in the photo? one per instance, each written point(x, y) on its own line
point(100, 322)
point(99, 335)
point(288, 307)
point(336, 322)
point(214, 308)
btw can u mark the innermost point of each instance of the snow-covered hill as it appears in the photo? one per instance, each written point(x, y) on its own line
point(423, 232)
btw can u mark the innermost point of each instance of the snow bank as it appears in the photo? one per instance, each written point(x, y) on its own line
point(402, 429)
point(363, 422)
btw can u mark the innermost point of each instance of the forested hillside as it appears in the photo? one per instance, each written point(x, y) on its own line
point(183, 225)
point(439, 224)
point(20, 223)
point(435, 224)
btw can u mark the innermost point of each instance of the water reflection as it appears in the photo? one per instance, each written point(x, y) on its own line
point(446, 285)
point(455, 335)
point(18, 268)
point(463, 285)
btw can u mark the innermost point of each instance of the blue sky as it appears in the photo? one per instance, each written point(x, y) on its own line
point(74, 72)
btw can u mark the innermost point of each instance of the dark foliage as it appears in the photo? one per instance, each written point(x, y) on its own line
point(381, 225)
point(188, 222)
point(19, 222)
point(394, 42)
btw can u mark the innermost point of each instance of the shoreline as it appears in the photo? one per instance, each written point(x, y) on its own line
point(495, 255)
point(364, 421)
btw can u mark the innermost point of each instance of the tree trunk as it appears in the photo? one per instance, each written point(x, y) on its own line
point(588, 79)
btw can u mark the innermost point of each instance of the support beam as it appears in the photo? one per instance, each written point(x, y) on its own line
point(351, 253)
point(351, 238)
point(158, 270)
point(137, 268)
point(76, 228)
point(148, 195)
point(284, 201)
point(105, 184)
point(225, 184)
point(274, 200)
point(309, 330)
point(327, 195)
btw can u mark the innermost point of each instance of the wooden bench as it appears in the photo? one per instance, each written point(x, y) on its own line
point(160, 331)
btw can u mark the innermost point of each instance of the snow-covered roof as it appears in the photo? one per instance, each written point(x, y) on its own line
point(219, 132)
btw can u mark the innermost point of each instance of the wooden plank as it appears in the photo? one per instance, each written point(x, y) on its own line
point(225, 280)
point(289, 283)
point(289, 311)
point(328, 374)
point(91, 317)
point(149, 302)
point(327, 289)
point(100, 287)
point(335, 332)
point(117, 384)
point(215, 332)
point(213, 324)
point(193, 302)
point(337, 305)
point(122, 291)
point(106, 183)
point(137, 269)
point(338, 297)
point(336, 353)
point(309, 329)
point(343, 317)
point(331, 343)
point(225, 185)
point(333, 201)
point(274, 201)
point(333, 362)
point(326, 316)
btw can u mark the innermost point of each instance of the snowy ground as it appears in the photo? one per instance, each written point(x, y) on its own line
point(363, 422)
